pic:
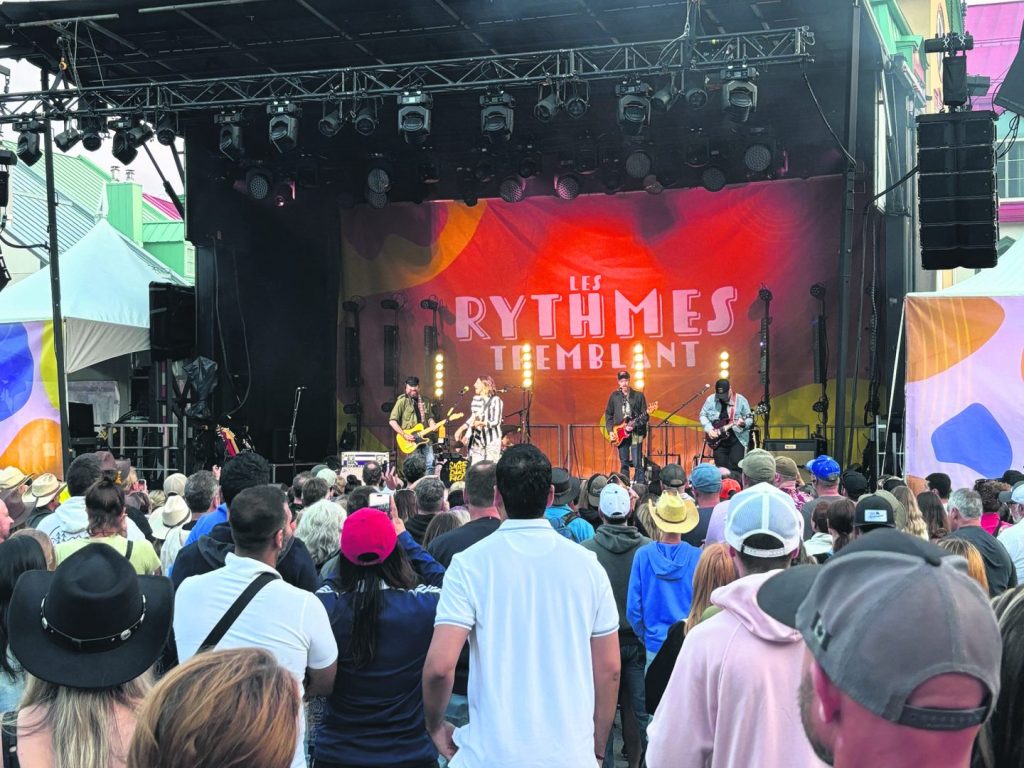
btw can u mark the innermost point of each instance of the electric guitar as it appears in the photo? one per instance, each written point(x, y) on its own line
point(621, 432)
point(419, 432)
point(725, 426)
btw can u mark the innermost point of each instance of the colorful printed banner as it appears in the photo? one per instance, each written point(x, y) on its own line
point(585, 281)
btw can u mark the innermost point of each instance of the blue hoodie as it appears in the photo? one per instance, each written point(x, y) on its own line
point(660, 590)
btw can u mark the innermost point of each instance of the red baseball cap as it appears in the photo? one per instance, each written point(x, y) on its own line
point(729, 487)
point(368, 537)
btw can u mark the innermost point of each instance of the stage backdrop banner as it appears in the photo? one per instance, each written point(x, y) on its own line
point(965, 386)
point(583, 282)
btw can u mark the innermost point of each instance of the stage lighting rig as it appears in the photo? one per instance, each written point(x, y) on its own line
point(665, 97)
point(638, 163)
point(414, 116)
point(230, 140)
point(364, 117)
point(758, 155)
point(496, 115)
point(166, 130)
point(283, 127)
point(713, 179)
point(332, 121)
point(695, 86)
point(639, 366)
point(577, 99)
point(258, 182)
point(91, 126)
point(568, 186)
point(512, 189)
point(547, 106)
point(29, 150)
point(739, 93)
point(68, 138)
point(379, 174)
point(634, 107)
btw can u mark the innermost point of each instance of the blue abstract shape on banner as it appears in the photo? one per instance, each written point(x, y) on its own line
point(975, 439)
point(16, 369)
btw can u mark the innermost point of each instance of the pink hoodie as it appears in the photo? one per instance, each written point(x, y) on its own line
point(732, 700)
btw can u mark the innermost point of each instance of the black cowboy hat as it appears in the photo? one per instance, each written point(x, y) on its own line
point(93, 623)
point(567, 487)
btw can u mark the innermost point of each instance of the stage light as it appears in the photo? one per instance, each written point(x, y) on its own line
point(230, 141)
point(547, 107)
point(568, 185)
point(639, 366)
point(364, 119)
point(723, 365)
point(653, 185)
point(258, 183)
point(665, 97)
point(429, 304)
point(122, 147)
point(283, 128)
point(331, 123)
point(91, 126)
point(577, 99)
point(483, 171)
point(526, 365)
point(739, 94)
point(378, 200)
point(28, 150)
point(634, 108)
point(638, 164)
point(758, 157)
point(698, 152)
point(439, 375)
point(713, 179)
point(529, 166)
point(723, 356)
point(166, 131)
point(378, 177)
point(284, 193)
point(67, 139)
point(414, 116)
point(512, 189)
point(496, 115)
point(696, 98)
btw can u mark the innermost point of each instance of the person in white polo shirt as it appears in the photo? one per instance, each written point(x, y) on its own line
point(1013, 537)
point(543, 630)
point(289, 622)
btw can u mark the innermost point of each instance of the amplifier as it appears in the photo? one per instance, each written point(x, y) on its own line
point(352, 460)
point(801, 451)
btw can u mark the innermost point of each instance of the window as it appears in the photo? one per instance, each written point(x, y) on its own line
point(1010, 173)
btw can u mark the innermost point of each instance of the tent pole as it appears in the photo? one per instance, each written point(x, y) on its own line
point(892, 397)
point(58, 318)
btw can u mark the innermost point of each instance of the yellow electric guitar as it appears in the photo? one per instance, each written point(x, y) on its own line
point(420, 433)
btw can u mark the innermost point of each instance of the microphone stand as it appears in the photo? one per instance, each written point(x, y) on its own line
point(293, 440)
point(650, 431)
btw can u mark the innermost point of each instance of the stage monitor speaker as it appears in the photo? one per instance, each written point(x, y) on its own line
point(801, 451)
point(352, 462)
point(390, 355)
point(1011, 93)
point(958, 205)
point(352, 372)
point(172, 321)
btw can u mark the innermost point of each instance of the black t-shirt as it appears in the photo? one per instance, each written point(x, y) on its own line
point(447, 545)
point(999, 568)
point(697, 535)
point(417, 526)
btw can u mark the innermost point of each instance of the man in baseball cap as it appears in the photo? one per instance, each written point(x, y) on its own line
point(706, 480)
point(825, 479)
point(730, 699)
point(871, 695)
point(872, 513)
point(758, 466)
point(1013, 537)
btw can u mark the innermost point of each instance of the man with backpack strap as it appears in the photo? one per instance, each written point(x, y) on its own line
point(562, 513)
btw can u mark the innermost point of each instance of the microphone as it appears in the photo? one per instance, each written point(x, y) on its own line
point(465, 390)
point(502, 390)
point(706, 387)
point(298, 388)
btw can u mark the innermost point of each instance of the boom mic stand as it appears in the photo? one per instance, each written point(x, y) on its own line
point(650, 431)
point(293, 440)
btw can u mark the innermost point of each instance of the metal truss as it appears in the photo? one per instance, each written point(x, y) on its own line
point(705, 54)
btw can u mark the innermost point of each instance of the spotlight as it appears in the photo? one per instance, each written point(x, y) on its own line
point(283, 127)
point(723, 356)
point(723, 365)
point(392, 305)
point(512, 189)
point(818, 290)
point(140, 134)
point(429, 304)
point(529, 165)
point(284, 193)
point(378, 200)
point(638, 164)
point(331, 123)
point(67, 138)
point(758, 157)
point(439, 375)
point(634, 111)
point(547, 107)
point(166, 132)
point(577, 100)
point(378, 177)
point(230, 140)
point(665, 97)
point(414, 116)
point(364, 118)
point(713, 179)
point(258, 183)
point(496, 115)
point(526, 365)
point(568, 185)
point(739, 94)
point(121, 146)
point(484, 169)
point(698, 152)
point(652, 185)
point(639, 365)
point(91, 126)
point(695, 86)
point(28, 149)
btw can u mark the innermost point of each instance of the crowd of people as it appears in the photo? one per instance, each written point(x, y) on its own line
point(781, 617)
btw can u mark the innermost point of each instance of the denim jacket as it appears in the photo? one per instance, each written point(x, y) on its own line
point(709, 415)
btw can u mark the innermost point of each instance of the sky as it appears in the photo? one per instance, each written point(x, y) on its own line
point(25, 78)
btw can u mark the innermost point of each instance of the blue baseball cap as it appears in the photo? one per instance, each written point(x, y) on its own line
point(824, 468)
point(706, 478)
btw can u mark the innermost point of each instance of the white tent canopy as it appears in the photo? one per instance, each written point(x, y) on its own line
point(105, 281)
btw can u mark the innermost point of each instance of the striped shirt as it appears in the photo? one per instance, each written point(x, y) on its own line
point(489, 410)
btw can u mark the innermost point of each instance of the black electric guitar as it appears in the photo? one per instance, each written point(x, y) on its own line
point(726, 425)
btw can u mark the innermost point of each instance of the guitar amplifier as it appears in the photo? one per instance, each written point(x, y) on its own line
point(801, 451)
point(351, 461)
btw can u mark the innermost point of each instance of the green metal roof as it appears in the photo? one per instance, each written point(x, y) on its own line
point(163, 231)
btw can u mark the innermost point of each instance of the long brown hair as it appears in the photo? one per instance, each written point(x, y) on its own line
point(221, 709)
point(966, 550)
point(714, 569)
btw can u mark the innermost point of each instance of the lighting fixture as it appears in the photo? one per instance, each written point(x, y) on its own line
point(665, 97)
point(414, 116)
point(28, 149)
point(166, 131)
point(512, 189)
point(723, 365)
point(331, 123)
point(526, 364)
point(639, 366)
point(258, 183)
point(577, 99)
point(496, 115)
point(758, 157)
point(230, 140)
point(439, 375)
point(364, 118)
point(283, 127)
point(739, 94)
point(638, 164)
point(713, 178)
point(67, 139)
point(91, 126)
point(547, 106)
point(634, 108)
point(568, 186)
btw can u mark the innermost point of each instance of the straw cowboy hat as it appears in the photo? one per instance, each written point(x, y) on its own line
point(11, 477)
point(43, 490)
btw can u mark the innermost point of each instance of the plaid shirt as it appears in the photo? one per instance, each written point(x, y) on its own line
point(799, 497)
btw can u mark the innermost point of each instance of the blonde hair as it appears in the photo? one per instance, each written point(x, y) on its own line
point(221, 709)
point(320, 529)
point(916, 524)
point(82, 722)
point(966, 550)
point(714, 569)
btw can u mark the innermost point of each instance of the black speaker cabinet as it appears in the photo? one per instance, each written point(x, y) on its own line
point(172, 321)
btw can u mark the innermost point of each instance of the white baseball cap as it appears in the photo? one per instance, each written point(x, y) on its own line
point(763, 509)
point(614, 502)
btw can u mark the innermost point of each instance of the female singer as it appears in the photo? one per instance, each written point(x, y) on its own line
point(484, 423)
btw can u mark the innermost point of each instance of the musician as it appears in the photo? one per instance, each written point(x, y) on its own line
point(728, 406)
point(409, 410)
point(484, 423)
point(628, 403)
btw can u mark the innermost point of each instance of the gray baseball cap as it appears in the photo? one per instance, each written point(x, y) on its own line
point(885, 615)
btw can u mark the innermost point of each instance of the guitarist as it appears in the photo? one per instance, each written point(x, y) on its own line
point(724, 407)
point(628, 403)
point(409, 410)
